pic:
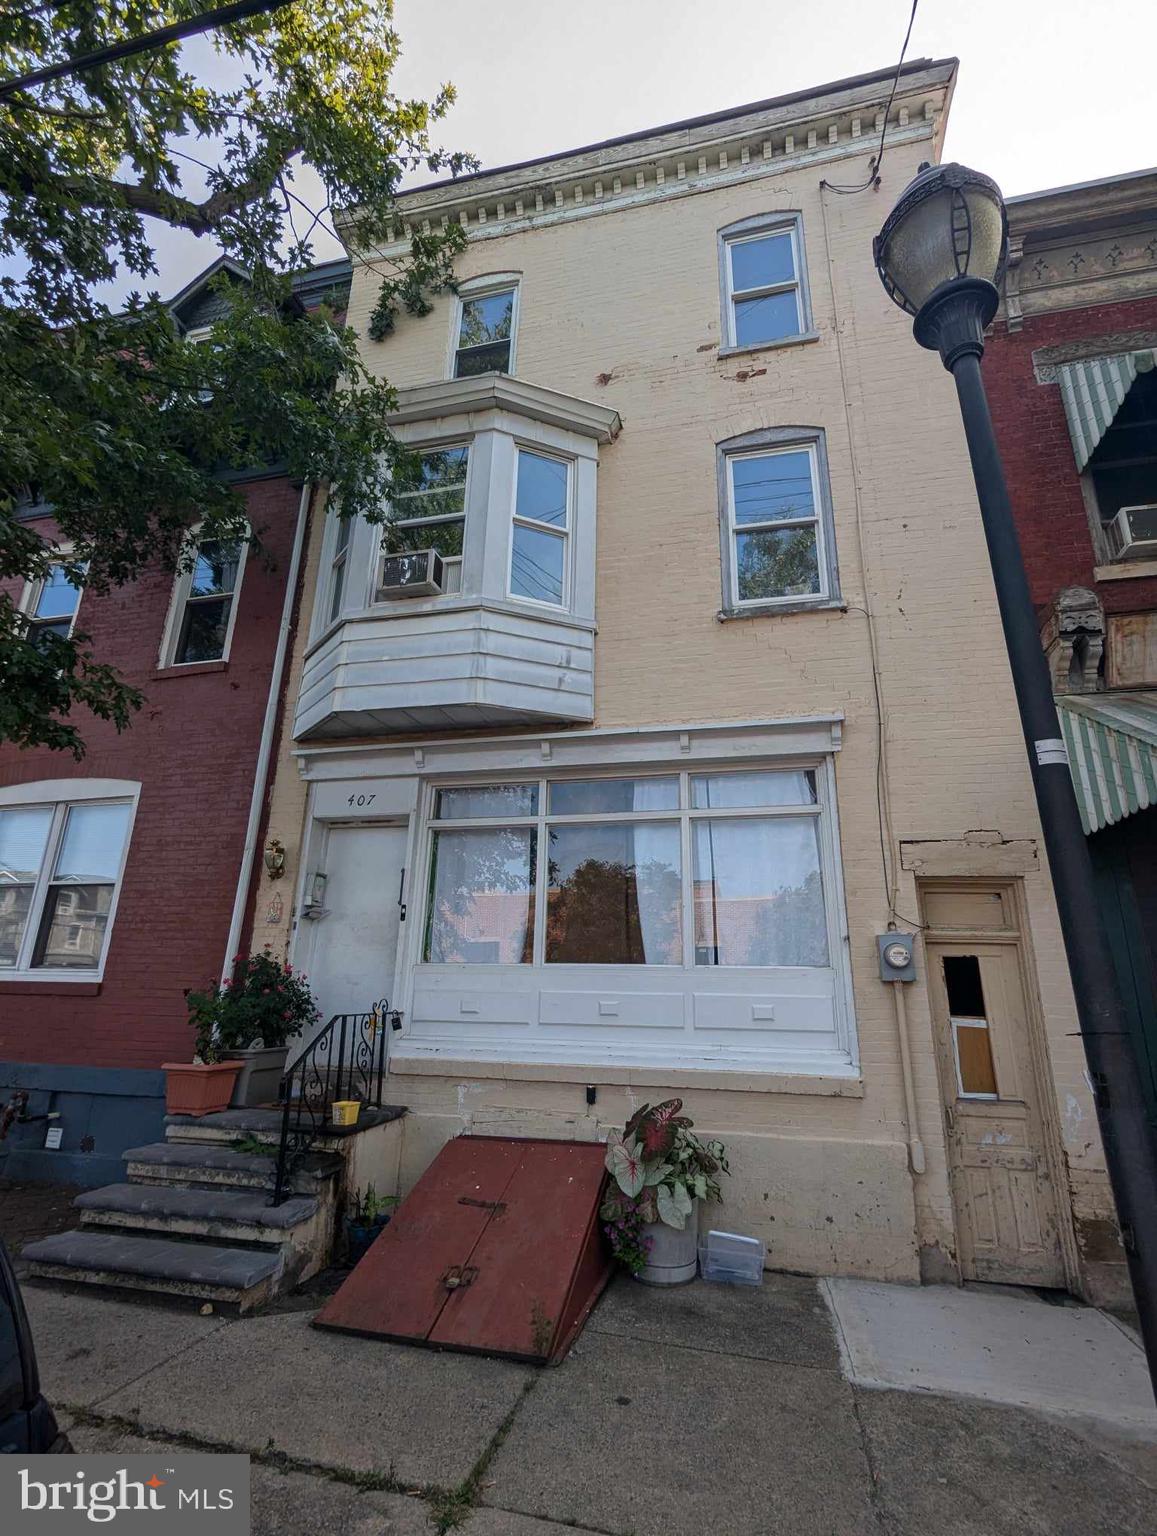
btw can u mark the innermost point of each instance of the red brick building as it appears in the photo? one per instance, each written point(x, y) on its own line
point(1071, 373)
point(124, 878)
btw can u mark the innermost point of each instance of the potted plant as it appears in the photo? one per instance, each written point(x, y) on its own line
point(367, 1215)
point(248, 1020)
point(660, 1170)
point(201, 1086)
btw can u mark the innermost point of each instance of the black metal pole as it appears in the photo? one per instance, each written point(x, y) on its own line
point(1129, 1140)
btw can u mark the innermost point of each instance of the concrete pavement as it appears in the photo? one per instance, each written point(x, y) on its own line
point(700, 1410)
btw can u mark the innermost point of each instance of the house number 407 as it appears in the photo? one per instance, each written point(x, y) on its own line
point(361, 800)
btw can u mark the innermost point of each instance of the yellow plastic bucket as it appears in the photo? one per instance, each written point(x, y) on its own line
point(344, 1112)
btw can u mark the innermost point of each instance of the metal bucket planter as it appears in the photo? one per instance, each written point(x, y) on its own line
point(673, 1258)
point(259, 1080)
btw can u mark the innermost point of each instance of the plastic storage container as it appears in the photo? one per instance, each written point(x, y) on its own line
point(730, 1259)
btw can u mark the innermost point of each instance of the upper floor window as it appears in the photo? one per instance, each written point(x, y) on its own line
point(485, 330)
point(60, 865)
point(764, 291)
point(1123, 470)
point(339, 566)
point(778, 542)
point(51, 605)
point(538, 545)
point(429, 508)
point(204, 604)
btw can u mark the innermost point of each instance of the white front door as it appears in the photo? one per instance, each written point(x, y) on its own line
point(351, 961)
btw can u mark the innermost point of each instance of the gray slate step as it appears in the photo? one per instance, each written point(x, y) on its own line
point(243, 1275)
point(241, 1207)
point(209, 1162)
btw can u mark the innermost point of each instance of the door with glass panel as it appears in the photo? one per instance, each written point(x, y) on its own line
point(1002, 1187)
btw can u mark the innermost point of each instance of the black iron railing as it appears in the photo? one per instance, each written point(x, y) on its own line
point(346, 1060)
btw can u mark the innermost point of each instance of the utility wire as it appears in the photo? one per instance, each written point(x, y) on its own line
point(205, 21)
point(875, 163)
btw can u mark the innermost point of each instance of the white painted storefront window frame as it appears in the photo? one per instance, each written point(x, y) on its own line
point(406, 778)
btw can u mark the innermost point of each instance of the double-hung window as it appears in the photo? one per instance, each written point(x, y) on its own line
point(486, 325)
point(765, 299)
point(339, 565)
point(51, 605)
point(60, 865)
point(204, 603)
point(778, 543)
point(538, 545)
point(693, 870)
point(428, 505)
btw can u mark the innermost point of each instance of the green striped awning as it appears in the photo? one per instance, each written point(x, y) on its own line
point(1093, 392)
point(1111, 740)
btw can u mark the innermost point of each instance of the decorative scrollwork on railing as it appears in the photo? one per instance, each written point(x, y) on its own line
point(346, 1060)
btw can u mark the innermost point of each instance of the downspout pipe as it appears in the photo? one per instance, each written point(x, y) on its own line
point(268, 727)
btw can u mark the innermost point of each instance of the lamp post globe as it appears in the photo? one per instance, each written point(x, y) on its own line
point(941, 255)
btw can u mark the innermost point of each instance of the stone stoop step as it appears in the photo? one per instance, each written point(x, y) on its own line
point(232, 1215)
point(244, 1276)
point(189, 1162)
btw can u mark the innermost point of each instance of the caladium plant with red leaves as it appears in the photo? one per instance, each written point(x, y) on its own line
point(658, 1168)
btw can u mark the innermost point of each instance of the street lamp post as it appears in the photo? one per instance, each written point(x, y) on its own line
point(940, 255)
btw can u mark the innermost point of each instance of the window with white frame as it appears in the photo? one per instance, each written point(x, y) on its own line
point(60, 867)
point(538, 544)
point(339, 565)
point(778, 539)
point(764, 292)
point(486, 321)
point(692, 870)
point(51, 604)
point(428, 505)
point(204, 603)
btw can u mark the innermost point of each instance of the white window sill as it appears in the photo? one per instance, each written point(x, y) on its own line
point(797, 605)
point(75, 978)
point(842, 1081)
point(801, 340)
point(1125, 570)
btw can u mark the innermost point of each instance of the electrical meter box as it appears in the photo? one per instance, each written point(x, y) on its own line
point(897, 953)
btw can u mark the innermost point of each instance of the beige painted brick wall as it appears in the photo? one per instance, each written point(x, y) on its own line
point(632, 296)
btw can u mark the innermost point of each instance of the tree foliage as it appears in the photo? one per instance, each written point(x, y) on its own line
point(108, 416)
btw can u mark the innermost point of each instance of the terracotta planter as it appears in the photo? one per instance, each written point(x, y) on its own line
point(192, 1088)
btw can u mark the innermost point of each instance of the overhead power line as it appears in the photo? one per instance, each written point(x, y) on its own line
point(241, 10)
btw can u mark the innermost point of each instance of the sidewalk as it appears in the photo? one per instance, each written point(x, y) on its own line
point(701, 1410)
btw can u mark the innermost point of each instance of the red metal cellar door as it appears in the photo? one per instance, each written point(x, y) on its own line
point(497, 1249)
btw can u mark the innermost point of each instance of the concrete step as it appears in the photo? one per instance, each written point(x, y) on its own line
point(244, 1277)
point(264, 1125)
point(230, 1215)
point(184, 1163)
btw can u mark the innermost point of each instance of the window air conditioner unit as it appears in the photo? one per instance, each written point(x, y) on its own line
point(417, 573)
point(1134, 533)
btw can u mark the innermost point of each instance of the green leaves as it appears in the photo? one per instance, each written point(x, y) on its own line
point(127, 431)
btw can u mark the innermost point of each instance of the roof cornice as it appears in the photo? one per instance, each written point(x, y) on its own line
point(1058, 210)
point(830, 123)
point(501, 392)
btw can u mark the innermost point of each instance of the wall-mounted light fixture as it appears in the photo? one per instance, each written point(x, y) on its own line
point(275, 858)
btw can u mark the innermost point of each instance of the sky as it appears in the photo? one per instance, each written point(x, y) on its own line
point(1047, 94)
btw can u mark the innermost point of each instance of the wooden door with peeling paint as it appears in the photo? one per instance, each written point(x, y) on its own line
point(1002, 1189)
